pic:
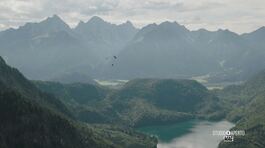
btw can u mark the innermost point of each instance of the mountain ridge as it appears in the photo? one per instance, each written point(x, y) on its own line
point(168, 48)
point(221, 54)
point(55, 47)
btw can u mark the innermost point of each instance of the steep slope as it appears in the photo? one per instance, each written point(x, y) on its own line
point(246, 106)
point(237, 97)
point(12, 79)
point(34, 120)
point(27, 124)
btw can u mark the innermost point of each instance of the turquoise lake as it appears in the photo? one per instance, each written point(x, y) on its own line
point(189, 134)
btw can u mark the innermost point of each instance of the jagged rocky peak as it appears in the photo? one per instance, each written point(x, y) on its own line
point(55, 20)
point(96, 19)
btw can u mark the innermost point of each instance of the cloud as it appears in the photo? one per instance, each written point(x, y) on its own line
point(162, 5)
point(180, 6)
point(86, 7)
point(237, 15)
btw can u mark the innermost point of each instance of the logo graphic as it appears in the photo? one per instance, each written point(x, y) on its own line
point(228, 137)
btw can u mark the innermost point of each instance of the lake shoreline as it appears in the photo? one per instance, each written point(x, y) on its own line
point(188, 134)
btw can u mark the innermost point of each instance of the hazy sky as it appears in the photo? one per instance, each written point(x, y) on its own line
point(236, 15)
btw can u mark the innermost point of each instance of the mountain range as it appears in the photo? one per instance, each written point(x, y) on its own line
point(169, 50)
point(50, 49)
